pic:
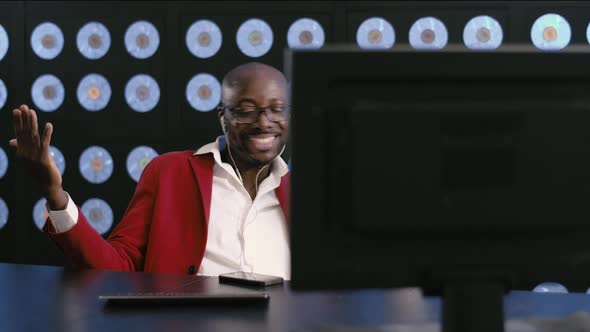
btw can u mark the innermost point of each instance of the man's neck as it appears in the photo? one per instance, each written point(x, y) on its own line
point(252, 175)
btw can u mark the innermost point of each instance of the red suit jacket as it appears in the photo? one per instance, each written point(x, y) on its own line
point(165, 225)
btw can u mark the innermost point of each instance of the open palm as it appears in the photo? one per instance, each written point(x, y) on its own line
point(34, 149)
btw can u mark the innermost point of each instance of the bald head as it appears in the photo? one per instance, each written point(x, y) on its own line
point(237, 80)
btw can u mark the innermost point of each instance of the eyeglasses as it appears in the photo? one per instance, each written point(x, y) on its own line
point(249, 114)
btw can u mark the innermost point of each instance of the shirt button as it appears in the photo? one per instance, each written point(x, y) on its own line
point(192, 269)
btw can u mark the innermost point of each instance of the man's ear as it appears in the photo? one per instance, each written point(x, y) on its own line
point(221, 115)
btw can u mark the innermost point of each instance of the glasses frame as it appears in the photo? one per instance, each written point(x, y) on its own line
point(257, 110)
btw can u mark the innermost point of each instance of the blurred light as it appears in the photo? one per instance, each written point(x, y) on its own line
point(482, 33)
point(203, 92)
point(254, 37)
point(47, 40)
point(428, 33)
point(96, 164)
point(142, 93)
point(94, 92)
point(551, 32)
point(4, 212)
point(3, 163)
point(4, 42)
point(40, 213)
point(550, 287)
point(305, 33)
point(3, 94)
point(375, 33)
point(99, 214)
point(48, 93)
point(58, 158)
point(203, 39)
point(93, 40)
point(138, 159)
point(142, 39)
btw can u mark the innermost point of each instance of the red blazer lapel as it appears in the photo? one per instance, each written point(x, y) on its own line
point(283, 194)
point(202, 166)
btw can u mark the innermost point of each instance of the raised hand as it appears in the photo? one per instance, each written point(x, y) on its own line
point(34, 151)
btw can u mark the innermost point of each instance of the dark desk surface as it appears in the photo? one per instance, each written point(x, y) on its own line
point(43, 298)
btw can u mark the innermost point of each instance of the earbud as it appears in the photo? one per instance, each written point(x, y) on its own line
point(282, 150)
point(221, 120)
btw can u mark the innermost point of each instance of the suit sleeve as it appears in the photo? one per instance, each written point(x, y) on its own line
point(125, 248)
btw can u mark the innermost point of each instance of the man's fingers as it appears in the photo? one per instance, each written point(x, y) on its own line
point(17, 121)
point(47, 134)
point(34, 127)
point(13, 142)
point(17, 115)
point(25, 120)
point(33, 118)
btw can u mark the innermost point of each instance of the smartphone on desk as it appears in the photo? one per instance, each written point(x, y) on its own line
point(249, 279)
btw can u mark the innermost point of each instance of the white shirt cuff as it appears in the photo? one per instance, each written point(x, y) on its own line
point(64, 220)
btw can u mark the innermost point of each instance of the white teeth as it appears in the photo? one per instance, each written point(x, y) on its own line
point(263, 140)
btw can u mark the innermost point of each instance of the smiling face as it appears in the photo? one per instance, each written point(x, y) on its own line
point(261, 86)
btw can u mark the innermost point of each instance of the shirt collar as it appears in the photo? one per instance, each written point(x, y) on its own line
point(279, 166)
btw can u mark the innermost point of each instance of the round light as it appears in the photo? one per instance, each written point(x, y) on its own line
point(93, 40)
point(99, 214)
point(58, 158)
point(203, 39)
point(96, 164)
point(375, 33)
point(94, 92)
point(48, 93)
point(3, 163)
point(40, 213)
point(47, 40)
point(550, 287)
point(3, 94)
point(142, 93)
point(305, 33)
point(4, 42)
point(254, 37)
point(203, 92)
point(142, 39)
point(428, 33)
point(551, 32)
point(482, 33)
point(4, 212)
point(138, 159)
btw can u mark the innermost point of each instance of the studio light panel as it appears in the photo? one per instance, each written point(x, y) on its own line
point(137, 86)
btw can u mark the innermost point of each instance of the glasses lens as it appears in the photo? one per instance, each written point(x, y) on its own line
point(250, 114)
point(274, 115)
point(246, 115)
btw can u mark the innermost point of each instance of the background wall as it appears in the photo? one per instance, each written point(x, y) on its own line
point(173, 124)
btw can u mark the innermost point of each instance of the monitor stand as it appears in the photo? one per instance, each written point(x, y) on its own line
point(473, 304)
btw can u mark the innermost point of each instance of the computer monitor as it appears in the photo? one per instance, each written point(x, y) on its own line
point(464, 173)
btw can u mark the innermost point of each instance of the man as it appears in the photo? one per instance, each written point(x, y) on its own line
point(220, 209)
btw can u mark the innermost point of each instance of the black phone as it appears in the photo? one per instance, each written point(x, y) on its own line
point(249, 279)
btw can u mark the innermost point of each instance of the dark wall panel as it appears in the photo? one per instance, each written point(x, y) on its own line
point(173, 124)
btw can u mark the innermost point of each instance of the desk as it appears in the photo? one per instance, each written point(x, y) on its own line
point(46, 298)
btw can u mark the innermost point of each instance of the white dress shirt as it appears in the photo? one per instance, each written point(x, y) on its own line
point(243, 235)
